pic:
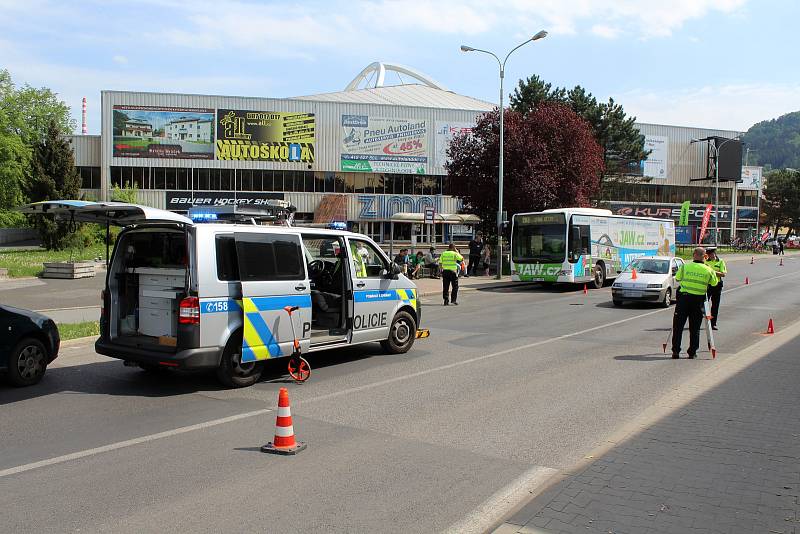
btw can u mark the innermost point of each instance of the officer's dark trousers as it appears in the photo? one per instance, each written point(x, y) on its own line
point(715, 293)
point(691, 307)
point(449, 278)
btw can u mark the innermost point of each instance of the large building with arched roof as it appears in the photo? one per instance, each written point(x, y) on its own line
point(356, 156)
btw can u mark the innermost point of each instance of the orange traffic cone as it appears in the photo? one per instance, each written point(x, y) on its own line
point(585, 289)
point(746, 281)
point(752, 260)
point(634, 276)
point(781, 263)
point(284, 442)
point(770, 327)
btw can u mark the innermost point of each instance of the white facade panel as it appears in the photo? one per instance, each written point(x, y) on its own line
point(86, 149)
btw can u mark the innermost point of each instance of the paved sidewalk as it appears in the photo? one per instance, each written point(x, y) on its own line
point(727, 462)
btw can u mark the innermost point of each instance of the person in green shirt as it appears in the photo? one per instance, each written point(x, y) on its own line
point(450, 260)
point(715, 292)
point(695, 278)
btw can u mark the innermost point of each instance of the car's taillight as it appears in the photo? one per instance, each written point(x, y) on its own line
point(189, 312)
point(103, 303)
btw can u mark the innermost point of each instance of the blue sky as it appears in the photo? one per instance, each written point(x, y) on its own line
point(707, 63)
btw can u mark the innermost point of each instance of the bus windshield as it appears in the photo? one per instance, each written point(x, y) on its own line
point(539, 238)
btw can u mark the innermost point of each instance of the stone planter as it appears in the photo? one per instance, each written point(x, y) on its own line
point(69, 270)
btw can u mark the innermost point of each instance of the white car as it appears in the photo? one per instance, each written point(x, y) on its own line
point(655, 281)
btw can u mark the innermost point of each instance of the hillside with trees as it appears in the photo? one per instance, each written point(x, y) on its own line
point(775, 144)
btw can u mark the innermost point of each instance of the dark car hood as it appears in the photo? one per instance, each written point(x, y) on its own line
point(37, 318)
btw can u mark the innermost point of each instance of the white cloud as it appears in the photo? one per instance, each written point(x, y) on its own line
point(607, 32)
point(122, 60)
point(732, 107)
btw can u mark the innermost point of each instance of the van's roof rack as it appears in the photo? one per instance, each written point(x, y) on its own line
point(268, 210)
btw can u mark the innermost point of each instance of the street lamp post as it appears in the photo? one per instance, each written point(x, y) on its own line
point(502, 64)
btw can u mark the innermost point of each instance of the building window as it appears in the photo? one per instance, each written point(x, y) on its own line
point(201, 179)
point(159, 178)
point(184, 179)
point(90, 177)
point(171, 178)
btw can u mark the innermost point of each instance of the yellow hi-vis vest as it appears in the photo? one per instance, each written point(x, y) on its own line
point(695, 278)
point(718, 265)
point(450, 260)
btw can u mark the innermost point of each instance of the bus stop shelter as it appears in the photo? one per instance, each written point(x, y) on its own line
point(427, 227)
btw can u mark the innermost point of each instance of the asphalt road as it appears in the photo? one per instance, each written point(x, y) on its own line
point(512, 385)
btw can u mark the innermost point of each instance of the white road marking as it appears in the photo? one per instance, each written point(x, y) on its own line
point(495, 507)
point(128, 443)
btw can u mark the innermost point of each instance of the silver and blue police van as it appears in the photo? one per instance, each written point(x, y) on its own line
point(210, 290)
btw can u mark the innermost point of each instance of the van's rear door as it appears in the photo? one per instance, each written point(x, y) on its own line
point(272, 271)
point(116, 213)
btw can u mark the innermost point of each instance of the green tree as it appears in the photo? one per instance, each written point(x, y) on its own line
point(14, 161)
point(52, 176)
point(615, 132)
point(782, 199)
point(27, 111)
point(128, 194)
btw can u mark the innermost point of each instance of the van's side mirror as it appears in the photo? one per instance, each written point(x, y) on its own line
point(393, 271)
point(674, 270)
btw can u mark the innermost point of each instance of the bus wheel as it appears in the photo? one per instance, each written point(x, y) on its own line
point(402, 334)
point(599, 276)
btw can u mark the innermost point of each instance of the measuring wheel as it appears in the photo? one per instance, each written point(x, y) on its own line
point(299, 369)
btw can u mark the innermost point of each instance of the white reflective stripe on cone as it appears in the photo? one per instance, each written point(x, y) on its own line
point(284, 411)
point(284, 431)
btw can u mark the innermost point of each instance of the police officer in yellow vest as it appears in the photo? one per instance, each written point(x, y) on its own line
point(695, 279)
point(450, 260)
point(715, 292)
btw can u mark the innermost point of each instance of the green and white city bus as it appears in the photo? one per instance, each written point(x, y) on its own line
point(583, 245)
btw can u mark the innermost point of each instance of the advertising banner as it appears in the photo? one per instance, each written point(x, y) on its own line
point(183, 200)
point(666, 211)
point(744, 215)
point(751, 178)
point(163, 132)
point(379, 144)
point(704, 225)
point(656, 164)
point(265, 136)
point(445, 132)
point(684, 235)
point(685, 207)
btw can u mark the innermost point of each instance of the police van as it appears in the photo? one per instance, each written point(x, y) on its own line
point(210, 290)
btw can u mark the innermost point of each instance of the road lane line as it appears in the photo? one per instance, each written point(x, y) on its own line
point(494, 508)
point(128, 443)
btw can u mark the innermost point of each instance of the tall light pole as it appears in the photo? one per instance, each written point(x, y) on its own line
point(502, 64)
point(716, 184)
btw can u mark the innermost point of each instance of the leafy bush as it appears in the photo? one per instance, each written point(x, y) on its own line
point(13, 219)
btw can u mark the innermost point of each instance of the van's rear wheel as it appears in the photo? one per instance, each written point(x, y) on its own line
point(234, 373)
point(402, 334)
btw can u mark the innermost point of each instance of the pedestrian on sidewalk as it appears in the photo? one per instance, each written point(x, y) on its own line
point(695, 278)
point(486, 258)
point(715, 292)
point(417, 261)
point(780, 247)
point(475, 249)
point(402, 260)
point(431, 263)
point(450, 260)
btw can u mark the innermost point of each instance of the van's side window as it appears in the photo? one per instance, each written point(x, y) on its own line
point(227, 266)
point(269, 257)
point(367, 261)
